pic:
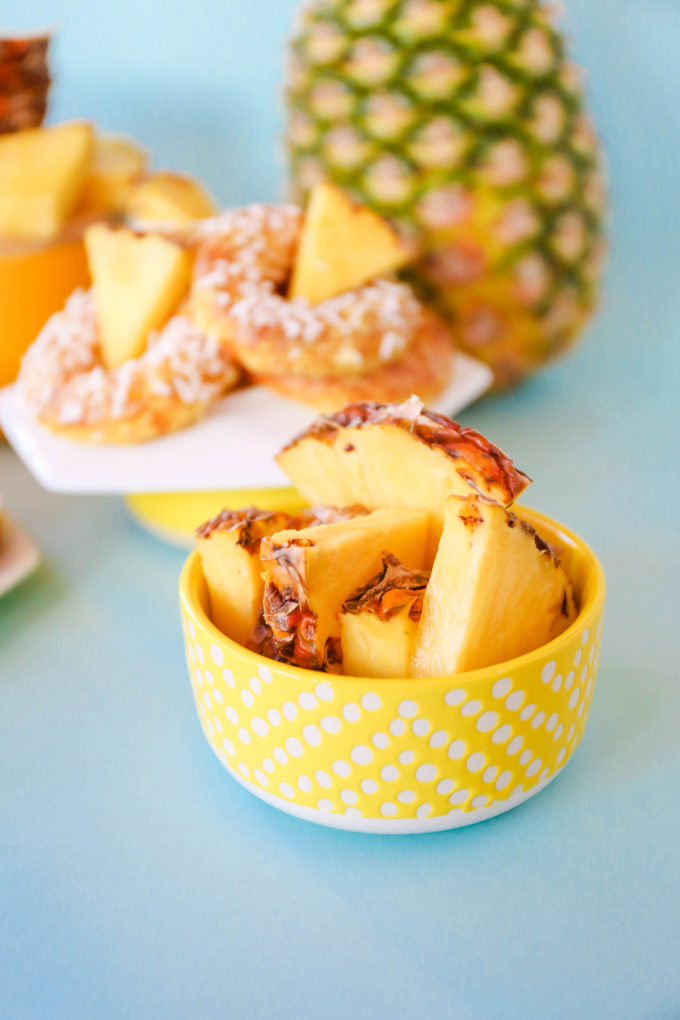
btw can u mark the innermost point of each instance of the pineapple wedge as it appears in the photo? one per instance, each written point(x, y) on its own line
point(343, 245)
point(379, 622)
point(310, 573)
point(496, 591)
point(42, 175)
point(138, 283)
point(168, 198)
point(229, 547)
point(117, 162)
point(397, 455)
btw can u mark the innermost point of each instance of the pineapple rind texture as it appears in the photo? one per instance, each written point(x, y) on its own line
point(310, 573)
point(464, 123)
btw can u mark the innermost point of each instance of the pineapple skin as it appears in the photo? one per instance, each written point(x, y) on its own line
point(464, 123)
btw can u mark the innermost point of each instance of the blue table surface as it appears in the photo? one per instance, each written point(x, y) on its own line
point(136, 878)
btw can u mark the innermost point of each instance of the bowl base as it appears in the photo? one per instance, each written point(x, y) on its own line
point(454, 819)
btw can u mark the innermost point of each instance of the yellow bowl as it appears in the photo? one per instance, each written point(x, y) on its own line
point(398, 756)
point(35, 281)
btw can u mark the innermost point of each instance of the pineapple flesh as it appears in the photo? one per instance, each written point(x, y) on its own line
point(116, 163)
point(465, 124)
point(310, 573)
point(397, 455)
point(229, 547)
point(343, 246)
point(379, 622)
point(168, 198)
point(138, 284)
point(42, 174)
point(496, 591)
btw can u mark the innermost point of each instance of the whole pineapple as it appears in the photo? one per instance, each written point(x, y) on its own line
point(462, 121)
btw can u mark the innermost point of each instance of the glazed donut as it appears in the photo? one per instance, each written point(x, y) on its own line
point(64, 384)
point(242, 264)
point(425, 369)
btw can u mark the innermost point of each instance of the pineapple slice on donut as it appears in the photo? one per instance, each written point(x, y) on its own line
point(123, 363)
point(343, 245)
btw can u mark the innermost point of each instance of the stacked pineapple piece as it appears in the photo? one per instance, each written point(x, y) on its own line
point(429, 573)
point(65, 173)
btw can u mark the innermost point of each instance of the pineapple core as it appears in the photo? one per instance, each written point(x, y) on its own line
point(42, 174)
point(310, 573)
point(379, 622)
point(343, 245)
point(229, 547)
point(169, 198)
point(496, 591)
point(138, 283)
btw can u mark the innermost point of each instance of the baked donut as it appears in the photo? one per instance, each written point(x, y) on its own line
point(425, 369)
point(65, 385)
point(242, 265)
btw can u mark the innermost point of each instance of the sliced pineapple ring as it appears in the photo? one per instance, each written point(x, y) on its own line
point(310, 573)
point(496, 591)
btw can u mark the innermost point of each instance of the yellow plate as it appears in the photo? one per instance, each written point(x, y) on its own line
point(174, 516)
point(403, 755)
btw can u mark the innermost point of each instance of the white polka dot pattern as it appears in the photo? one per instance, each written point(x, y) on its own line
point(393, 750)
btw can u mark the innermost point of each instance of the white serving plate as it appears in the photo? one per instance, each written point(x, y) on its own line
point(18, 556)
point(231, 448)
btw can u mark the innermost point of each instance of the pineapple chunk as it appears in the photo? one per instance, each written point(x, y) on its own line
point(138, 282)
point(42, 174)
point(343, 245)
point(310, 573)
point(379, 622)
point(497, 591)
point(168, 198)
point(229, 547)
point(117, 162)
point(397, 455)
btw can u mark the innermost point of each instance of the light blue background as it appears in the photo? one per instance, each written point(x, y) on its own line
point(138, 880)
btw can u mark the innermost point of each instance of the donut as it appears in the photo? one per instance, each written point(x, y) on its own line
point(425, 369)
point(66, 387)
point(243, 263)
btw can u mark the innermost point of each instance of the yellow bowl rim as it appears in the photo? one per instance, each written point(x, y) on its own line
point(586, 616)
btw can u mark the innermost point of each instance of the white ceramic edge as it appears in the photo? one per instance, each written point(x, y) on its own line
point(19, 556)
point(185, 461)
point(454, 819)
